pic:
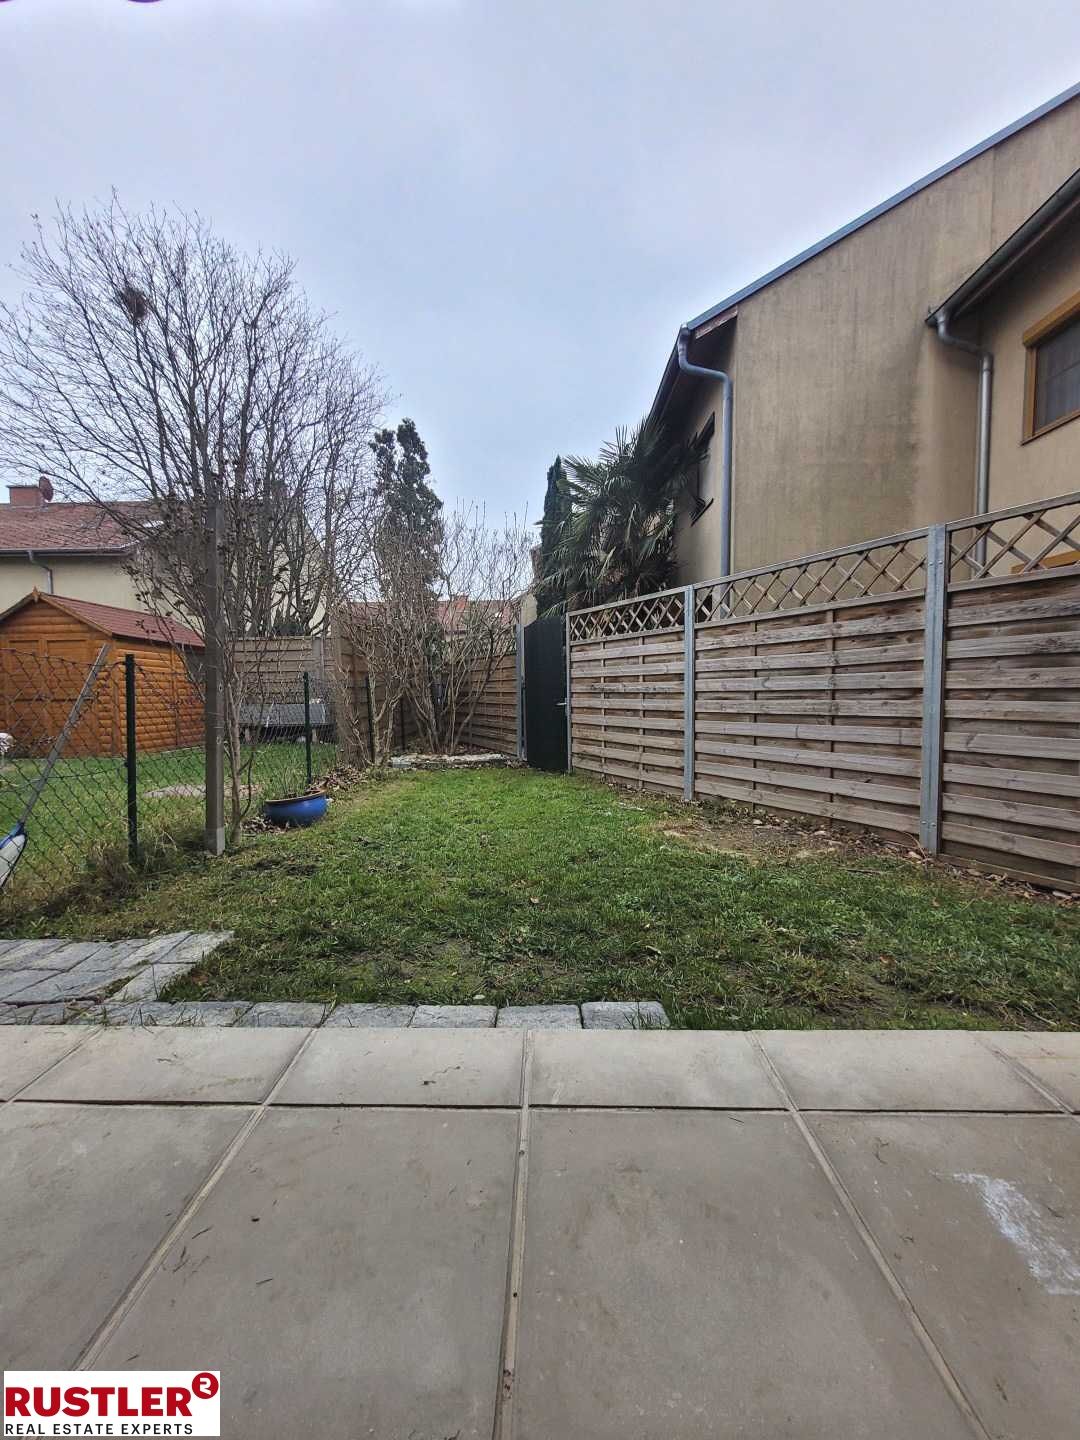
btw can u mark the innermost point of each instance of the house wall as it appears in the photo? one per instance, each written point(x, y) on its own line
point(104, 581)
point(1049, 464)
point(851, 419)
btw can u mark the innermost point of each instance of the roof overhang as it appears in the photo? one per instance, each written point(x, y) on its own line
point(1051, 217)
point(697, 331)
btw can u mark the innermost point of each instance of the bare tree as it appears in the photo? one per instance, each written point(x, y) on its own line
point(155, 370)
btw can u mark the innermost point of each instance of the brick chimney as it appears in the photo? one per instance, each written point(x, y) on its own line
point(26, 497)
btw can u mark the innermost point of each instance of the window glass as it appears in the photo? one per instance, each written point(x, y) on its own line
point(1057, 376)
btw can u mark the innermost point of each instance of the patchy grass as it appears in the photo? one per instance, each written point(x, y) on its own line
point(515, 887)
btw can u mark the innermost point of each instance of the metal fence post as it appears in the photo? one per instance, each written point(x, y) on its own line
point(519, 685)
point(131, 759)
point(569, 723)
point(307, 725)
point(689, 686)
point(934, 616)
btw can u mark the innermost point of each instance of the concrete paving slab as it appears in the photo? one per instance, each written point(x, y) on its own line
point(54, 955)
point(268, 1014)
point(371, 1017)
point(86, 1193)
point(61, 1012)
point(165, 1063)
point(690, 1275)
point(76, 984)
point(896, 1070)
point(151, 981)
point(182, 1012)
point(624, 1015)
point(978, 1216)
point(689, 1068)
point(14, 982)
point(28, 1051)
point(454, 1017)
point(407, 1067)
point(539, 1017)
point(1052, 1057)
point(347, 1273)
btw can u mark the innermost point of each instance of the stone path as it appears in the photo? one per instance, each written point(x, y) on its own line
point(434, 1233)
point(54, 982)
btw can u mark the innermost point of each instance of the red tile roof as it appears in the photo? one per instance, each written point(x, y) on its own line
point(66, 526)
point(117, 622)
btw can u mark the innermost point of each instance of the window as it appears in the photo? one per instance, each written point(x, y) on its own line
point(700, 499)
point(1053, 370)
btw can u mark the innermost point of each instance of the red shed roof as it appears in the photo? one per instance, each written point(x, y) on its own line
point(113, 620)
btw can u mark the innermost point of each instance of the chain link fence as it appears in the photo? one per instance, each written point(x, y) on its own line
point(105, 763)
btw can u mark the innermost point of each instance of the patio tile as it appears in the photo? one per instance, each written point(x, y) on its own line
point(691, 1068)
point(692, 1275)
point(624, 1015)
point(28, 1051)
point(86, 1193)
point(407, 1067)
point(165, 1063)
point(60, 1012)
point(1052, 1057)
point(362, 1252)
point(896, 1070)
point(978, 1216)
point(371, 1017)
point(149, 982)
point(14, 982)
point(56, 955)
point(539, 1017)
point(454, 1017)
point(268, 1014)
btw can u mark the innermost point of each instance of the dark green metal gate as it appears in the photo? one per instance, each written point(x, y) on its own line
point(545, 693)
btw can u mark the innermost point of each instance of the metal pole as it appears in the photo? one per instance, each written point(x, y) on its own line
point(569, 721)
point(935, 603)
point(689, 687)
point(215, 726)
point(519, 688)
point(307, 725)
point(131, 759)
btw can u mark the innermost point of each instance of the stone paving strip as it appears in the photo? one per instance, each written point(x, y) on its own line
point(438, 1231)
point(57, 982)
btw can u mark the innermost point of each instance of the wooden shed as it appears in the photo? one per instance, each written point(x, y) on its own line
point(48, 645)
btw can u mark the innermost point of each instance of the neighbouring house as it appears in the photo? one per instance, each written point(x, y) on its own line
point(65, 547)
point(918, 365)
point(48, 646)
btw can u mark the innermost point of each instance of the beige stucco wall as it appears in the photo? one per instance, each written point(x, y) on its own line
point(851, 419)
point(1049, 464)
point(104, 581)
point(697, 545)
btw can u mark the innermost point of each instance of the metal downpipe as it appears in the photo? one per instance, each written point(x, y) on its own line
point(726, 414)
point(986, 386)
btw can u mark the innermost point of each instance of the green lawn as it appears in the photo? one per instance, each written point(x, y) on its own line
point(80, 820)
point(511, 886)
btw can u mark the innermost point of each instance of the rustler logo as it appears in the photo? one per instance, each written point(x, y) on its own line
point(112, 1402)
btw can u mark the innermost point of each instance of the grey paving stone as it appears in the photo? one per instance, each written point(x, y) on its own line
point(624, 1015)
point(454, 1017)
point(978, 1216)
point(407, 1067)
point(539, 1017)
point(14, 982)
point(61, 1012)
point(77, 984)
point(371, 1017)
point(692, 1274)
point(380, 1248)
point(689, 1068)
point(183, 1012)
point(896, 1070)
point(286, 1012)
point(196, 947)
point(27, 1052)
point(1053, 1057)
point(149, 982)
point(86, 1193)
point(166, 1063)
point(55, 955)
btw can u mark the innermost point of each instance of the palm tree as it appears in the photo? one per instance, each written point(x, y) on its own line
point(618, 538)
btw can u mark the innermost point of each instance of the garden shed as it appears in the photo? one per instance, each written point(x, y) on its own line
point(48, 646)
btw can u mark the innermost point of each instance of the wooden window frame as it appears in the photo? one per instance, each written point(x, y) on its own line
point(1062, 315)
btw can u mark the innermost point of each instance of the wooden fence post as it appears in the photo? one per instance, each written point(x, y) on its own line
point(569, 726)
point(689, 687)
point(934, 618)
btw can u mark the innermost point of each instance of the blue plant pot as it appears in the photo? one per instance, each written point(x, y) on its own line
point(296, 811)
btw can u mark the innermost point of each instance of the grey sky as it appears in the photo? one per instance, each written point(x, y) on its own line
point(510, 207)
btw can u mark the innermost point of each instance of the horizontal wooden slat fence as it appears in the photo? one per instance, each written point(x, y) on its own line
point(494, 722)
point(926, 685)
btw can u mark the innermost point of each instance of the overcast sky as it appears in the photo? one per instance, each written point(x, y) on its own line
point(510, 207)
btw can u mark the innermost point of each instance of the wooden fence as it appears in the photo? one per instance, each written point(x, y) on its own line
point(924, 685)
point(494, 723)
